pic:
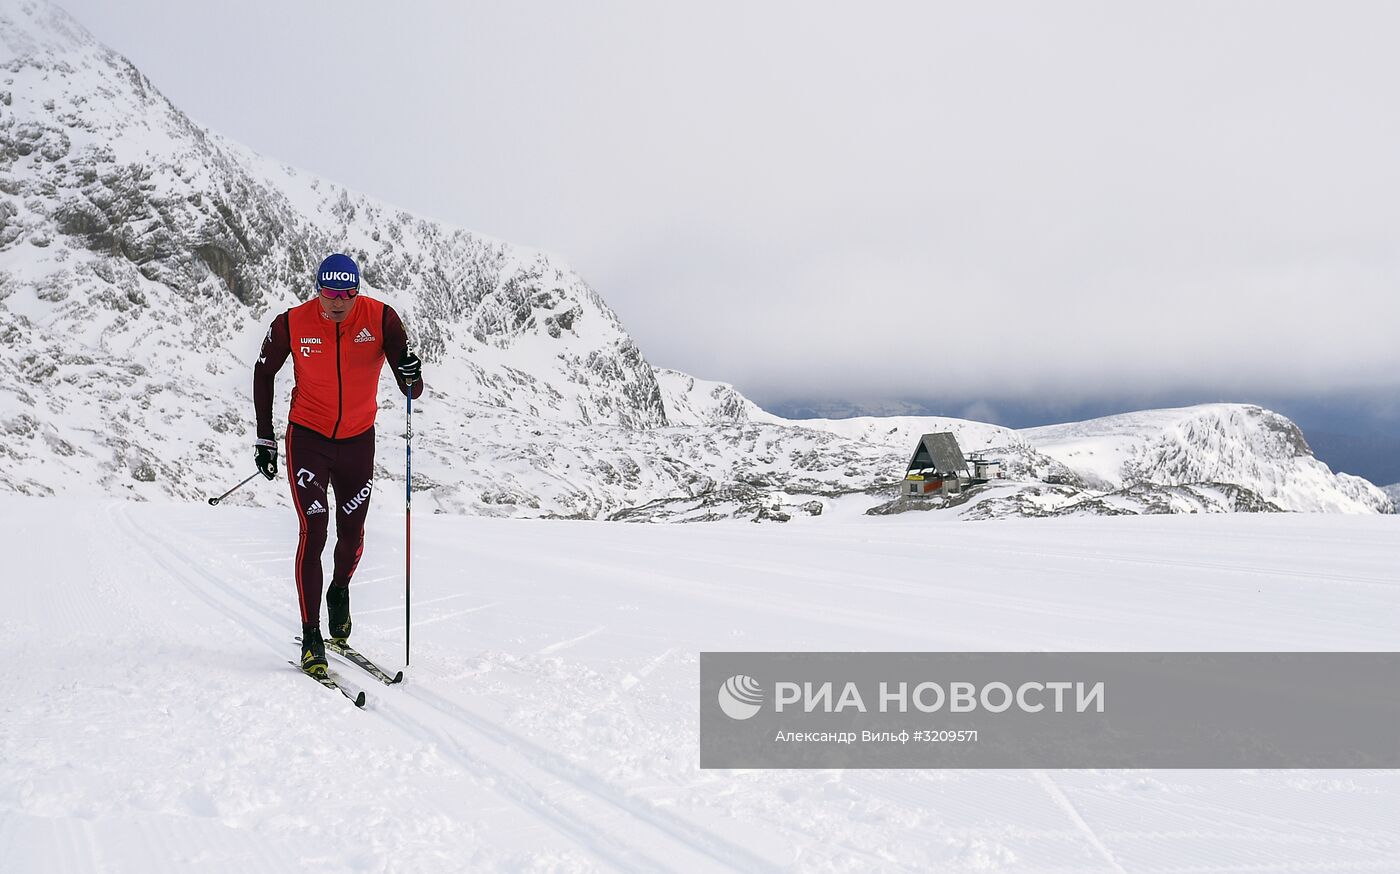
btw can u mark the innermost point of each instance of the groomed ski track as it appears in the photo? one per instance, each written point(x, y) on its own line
point(548, 719)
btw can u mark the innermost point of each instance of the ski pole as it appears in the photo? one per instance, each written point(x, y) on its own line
point(407, 519)
point(214, 502)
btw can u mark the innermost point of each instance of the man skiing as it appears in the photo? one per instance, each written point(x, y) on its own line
point(340, 341)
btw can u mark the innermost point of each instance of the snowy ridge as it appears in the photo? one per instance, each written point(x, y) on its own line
point(142, 256)
point(698, 402)
point(1244, 445)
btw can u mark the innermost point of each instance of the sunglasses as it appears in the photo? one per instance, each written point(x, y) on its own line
point(339, 293)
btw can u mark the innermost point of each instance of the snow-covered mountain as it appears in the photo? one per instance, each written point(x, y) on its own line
point(126, 207)
point(692, 401)
point(142, 256)
point(1244, 445)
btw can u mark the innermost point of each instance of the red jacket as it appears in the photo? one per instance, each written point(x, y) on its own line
point(337, 366)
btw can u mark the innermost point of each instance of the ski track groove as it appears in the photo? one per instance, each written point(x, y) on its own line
point(1062, 801)
point(1271, 824)
point(1174, 561)
point(565, 644)
point(597, 841)
point(592, 838)
point(392, 607)
point(441, 617)
point(674, 826)
point(1283, 867)
point(754, 599)
point(586, 836)
point(637, 676)
point(849, 579)
point(369, 581)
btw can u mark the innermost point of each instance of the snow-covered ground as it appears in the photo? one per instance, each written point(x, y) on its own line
point(548, 722)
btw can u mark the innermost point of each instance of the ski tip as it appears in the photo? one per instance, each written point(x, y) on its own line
point(360, 700)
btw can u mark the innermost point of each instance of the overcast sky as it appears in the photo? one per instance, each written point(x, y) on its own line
point(868, 200)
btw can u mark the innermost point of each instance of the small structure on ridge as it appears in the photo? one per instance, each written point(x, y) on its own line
point(938, 467)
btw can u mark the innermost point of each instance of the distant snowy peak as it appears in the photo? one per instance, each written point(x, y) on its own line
point(692, 401)
point(1241, 444)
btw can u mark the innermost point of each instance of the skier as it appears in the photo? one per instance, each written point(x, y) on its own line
point(340, 341)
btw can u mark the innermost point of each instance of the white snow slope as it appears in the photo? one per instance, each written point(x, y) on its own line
point(548, 723)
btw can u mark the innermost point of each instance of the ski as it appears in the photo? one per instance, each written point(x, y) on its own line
point(355, 657)
point(330, 683)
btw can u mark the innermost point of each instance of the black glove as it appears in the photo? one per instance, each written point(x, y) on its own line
point(409, 367)
point(267, 458)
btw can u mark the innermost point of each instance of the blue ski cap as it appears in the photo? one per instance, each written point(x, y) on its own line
point(338, 273)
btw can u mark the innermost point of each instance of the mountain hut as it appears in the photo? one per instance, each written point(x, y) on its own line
point(936, 467)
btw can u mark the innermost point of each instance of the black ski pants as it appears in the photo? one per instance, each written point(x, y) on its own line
point(314, 463)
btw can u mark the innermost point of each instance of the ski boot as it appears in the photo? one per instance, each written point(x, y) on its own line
point(338, 612)
point(313, 651)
